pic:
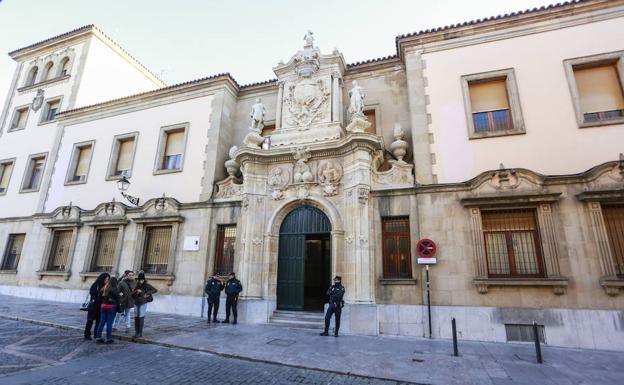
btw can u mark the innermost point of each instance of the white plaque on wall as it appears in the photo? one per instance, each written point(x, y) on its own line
point(191, 243)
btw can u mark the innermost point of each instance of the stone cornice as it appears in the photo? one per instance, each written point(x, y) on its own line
point(510, 199)
point(615, 195)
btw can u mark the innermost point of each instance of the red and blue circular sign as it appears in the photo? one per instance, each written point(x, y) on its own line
point(426, 248)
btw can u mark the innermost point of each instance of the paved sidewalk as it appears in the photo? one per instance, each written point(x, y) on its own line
point(405, 359)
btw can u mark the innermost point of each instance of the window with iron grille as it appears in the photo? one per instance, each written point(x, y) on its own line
point(512, 243)
point(613, 215)
point(59, 252)
point(397, 257)
point(104, 250)
point(13, 251)
point(224, 260)
point(156, 251)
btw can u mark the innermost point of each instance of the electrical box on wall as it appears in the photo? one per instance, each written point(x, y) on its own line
point(191, 243)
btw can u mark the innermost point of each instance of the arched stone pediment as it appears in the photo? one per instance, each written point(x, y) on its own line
point(109, 209)
point(160, 207)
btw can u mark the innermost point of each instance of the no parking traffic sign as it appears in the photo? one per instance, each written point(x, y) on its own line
point(426, 249)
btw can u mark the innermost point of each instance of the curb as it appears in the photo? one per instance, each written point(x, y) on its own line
point(148, 341)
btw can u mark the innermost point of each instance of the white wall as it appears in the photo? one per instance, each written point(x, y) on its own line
point(184, 186)
point(553, 143)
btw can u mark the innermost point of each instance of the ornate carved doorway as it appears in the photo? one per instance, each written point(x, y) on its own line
point(304, 260)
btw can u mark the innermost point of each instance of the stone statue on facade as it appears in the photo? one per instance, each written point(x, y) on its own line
point(303, 172)
point(358, 122)
point(257, 115)
point(309, 39)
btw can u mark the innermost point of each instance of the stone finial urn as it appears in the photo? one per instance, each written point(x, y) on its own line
point(398, 148)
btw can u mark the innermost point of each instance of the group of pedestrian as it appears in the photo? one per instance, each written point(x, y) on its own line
point(213, 289)
point(110, 299)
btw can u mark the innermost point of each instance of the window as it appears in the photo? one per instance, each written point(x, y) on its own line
point(48, 73)
point(6, 169)
point(492, 104)
point(80, 161)
point(51, 109)
point(104, 250)
point(170, 155)
point(32, 76)
point(600, 92)
point(34, 172)
point(224, 260)
point(372, 119)
point(613, 215)
point(512, 243)
point(61, 241)
point(65, 67)
point(122, 156)
point(13, 251)
point(157, 249)
point(397, 258)
point(19, 118)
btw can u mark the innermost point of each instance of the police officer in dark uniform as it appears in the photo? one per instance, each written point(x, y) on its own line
point(213, 291)
point(335, 293)
point(232, 288)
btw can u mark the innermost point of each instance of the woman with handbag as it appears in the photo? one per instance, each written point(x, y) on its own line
point(109, 298)
point(93, 308)
point(142, 294)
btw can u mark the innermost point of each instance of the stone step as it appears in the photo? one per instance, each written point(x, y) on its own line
point(296, 323)
point(304, 317)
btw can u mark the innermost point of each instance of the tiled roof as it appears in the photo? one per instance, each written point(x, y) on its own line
point(255, 84)
point(372, 61)
point(57, 37)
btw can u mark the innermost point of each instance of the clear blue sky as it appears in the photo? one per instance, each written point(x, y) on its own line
point(188, 39)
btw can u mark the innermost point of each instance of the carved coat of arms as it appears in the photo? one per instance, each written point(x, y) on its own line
point(306, 100)
point(37, 101)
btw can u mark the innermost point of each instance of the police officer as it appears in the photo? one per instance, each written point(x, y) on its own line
point(232, 288)
point(335, 293)
point(213, 291)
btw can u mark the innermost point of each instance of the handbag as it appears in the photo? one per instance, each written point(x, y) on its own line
point(148, 298)
point(87, 304)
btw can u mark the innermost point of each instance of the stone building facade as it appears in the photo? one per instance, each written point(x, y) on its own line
point(499, 139)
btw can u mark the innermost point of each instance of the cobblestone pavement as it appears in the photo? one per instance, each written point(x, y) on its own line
point(417, 360)
point(40, 355)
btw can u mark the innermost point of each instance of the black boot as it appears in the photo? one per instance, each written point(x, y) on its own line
point(227, 321)
point(234, 323)
point(141, 324)
point(87, 331)
point(137, 326)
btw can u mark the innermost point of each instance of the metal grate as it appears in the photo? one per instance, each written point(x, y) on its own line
point(156, 255)
point(105, 242)
point(13, 251)
point(226, 238)
point(614, 222)
point(397, 257)
point(511, 243)
point(60, 250)
point(524, 333)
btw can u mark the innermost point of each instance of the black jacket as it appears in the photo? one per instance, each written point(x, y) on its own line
point(213, 288)
point(233, 287)
point(126, 287)
point(94, 293)
point(146, 290)
point(111, 298)
point(335, 293)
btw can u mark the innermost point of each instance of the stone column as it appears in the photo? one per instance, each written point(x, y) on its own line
point(336, 97)
point(602, 240)
point(278, 109)
point(549, 240)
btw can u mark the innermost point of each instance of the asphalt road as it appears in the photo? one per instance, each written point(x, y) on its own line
point(39, 355)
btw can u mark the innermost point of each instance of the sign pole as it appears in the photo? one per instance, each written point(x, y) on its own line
point(428, 298)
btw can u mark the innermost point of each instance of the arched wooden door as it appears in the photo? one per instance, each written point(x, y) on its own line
point(303, 244)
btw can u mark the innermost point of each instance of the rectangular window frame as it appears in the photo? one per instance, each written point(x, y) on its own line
point(25, 107)
point(376, 109)
point(28, 172)
point(3, 164)
point(146, 239)
point(513, 97)
point(114, 155)
point(94, 248)
point(162, 144)
point(396, 235)
point(616, 58)
point(45, 109)
point(219, 267)
point(9, 244)
point(73, 163)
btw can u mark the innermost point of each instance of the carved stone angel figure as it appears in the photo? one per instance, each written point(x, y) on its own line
point(257, 115)
point(356, 93)
point(309, 39)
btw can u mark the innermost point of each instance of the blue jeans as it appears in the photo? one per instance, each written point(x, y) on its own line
point(107, 316)
point(127, 319)
point(140, 310)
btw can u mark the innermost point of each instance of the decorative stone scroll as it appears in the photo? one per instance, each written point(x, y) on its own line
point(229, 188)
point(399, 175)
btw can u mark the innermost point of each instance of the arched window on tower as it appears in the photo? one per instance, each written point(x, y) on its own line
point(64, 67)
point(48, 72)
point(32, 76)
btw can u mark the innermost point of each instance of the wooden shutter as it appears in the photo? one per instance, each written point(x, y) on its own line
point(82, 164)
point(175, 143)
point(5, 174)
point(599, 88)
point(124, 160)
point(157, 244)
point(397, 257)
point(60, 250)
point(489, 95)
point(105, 242)
point(614, 222)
